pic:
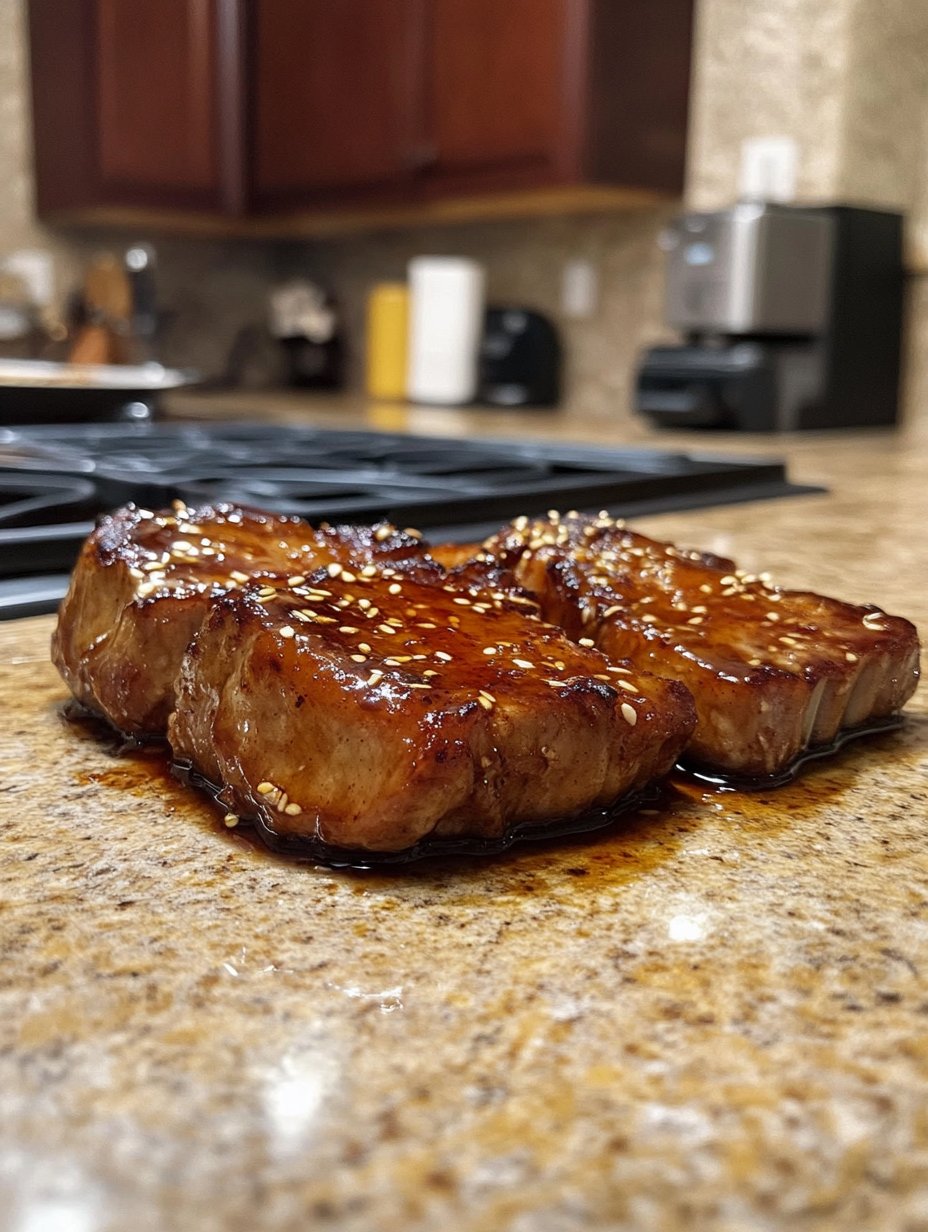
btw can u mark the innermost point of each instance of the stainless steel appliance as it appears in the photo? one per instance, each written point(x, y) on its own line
point(791, 318)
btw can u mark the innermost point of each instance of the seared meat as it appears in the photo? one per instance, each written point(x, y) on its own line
point(371, 707)
point(144, 582)
point(773, 672)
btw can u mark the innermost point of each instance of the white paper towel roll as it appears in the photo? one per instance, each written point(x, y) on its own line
point(445, 328)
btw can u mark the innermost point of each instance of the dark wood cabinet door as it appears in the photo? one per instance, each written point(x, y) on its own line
point(156, 99)
point(496, 95)
point(334, 86)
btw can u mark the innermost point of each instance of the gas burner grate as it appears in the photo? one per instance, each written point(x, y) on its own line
point(55, 479)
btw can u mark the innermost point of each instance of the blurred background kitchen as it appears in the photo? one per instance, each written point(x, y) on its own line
point(238, 148)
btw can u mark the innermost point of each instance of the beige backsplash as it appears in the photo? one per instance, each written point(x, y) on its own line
point(525, 263)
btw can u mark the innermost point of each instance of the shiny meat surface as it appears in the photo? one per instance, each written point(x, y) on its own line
point(145, 580)
point(369, 707)
point(773, 672)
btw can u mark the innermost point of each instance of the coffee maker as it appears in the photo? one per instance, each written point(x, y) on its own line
point(791, 316)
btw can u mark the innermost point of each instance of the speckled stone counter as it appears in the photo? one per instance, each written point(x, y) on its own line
point(715, 1017)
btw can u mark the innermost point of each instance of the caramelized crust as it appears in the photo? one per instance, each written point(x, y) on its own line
point(774, 672)
point(144, 581)
point(371, 707)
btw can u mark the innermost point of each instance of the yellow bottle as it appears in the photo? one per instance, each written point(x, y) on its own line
point(387, 341)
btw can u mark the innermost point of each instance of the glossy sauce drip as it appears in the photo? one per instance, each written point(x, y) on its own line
point(303, 847)
point(601, 847)
point(763, 782)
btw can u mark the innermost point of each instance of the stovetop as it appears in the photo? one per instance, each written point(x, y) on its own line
point(55, 479)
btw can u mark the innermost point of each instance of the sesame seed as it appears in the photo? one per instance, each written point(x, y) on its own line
point(265, 788)
point(383, 532)
point(364, 603)
point(559, 664)
point(524, 663)
point(386, 629)
point(282, 802)
point(348, 577)
point(485, 702)
point(491, 650)
point(851, 658)
point(629, 714)
point(586, 641)
point(230, 821)
point(359, 658)
point(368, 571)
point(298, 580)
point(348, 629)
point(459, 599)
point(287, 631)
point(611, 611)
point(306, 617)
point(394, 588)
point(334, 569)
point(627, 685)
point(414, 685)
point(443, 655)
point(557, 684)
point(365, 647)
point(375, 677)
point(429, 671)
point(426, 624)
point(694, 620)
point(292, 809)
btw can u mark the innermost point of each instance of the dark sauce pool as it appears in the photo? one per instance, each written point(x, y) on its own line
point(142, 766)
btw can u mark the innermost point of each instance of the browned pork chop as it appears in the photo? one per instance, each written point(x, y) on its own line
point(774, 672)
point(145, 580)
point(370, 708)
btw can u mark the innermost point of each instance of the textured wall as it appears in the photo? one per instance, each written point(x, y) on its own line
point(524, 262)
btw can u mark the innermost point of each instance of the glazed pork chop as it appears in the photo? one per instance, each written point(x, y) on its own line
point(145, 580)
point(774, 672)
point(371, 708)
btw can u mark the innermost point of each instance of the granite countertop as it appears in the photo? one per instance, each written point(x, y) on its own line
point(714, 1018)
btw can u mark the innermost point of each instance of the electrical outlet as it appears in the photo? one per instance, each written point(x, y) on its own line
point(579, 289)
point(769, 166)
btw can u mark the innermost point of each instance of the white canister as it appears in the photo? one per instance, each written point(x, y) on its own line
point(445, 328)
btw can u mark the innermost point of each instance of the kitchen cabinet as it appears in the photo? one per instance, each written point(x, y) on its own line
point(332, 98)
point(285, 116)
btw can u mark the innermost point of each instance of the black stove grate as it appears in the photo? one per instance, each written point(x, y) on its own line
point(55, 479)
